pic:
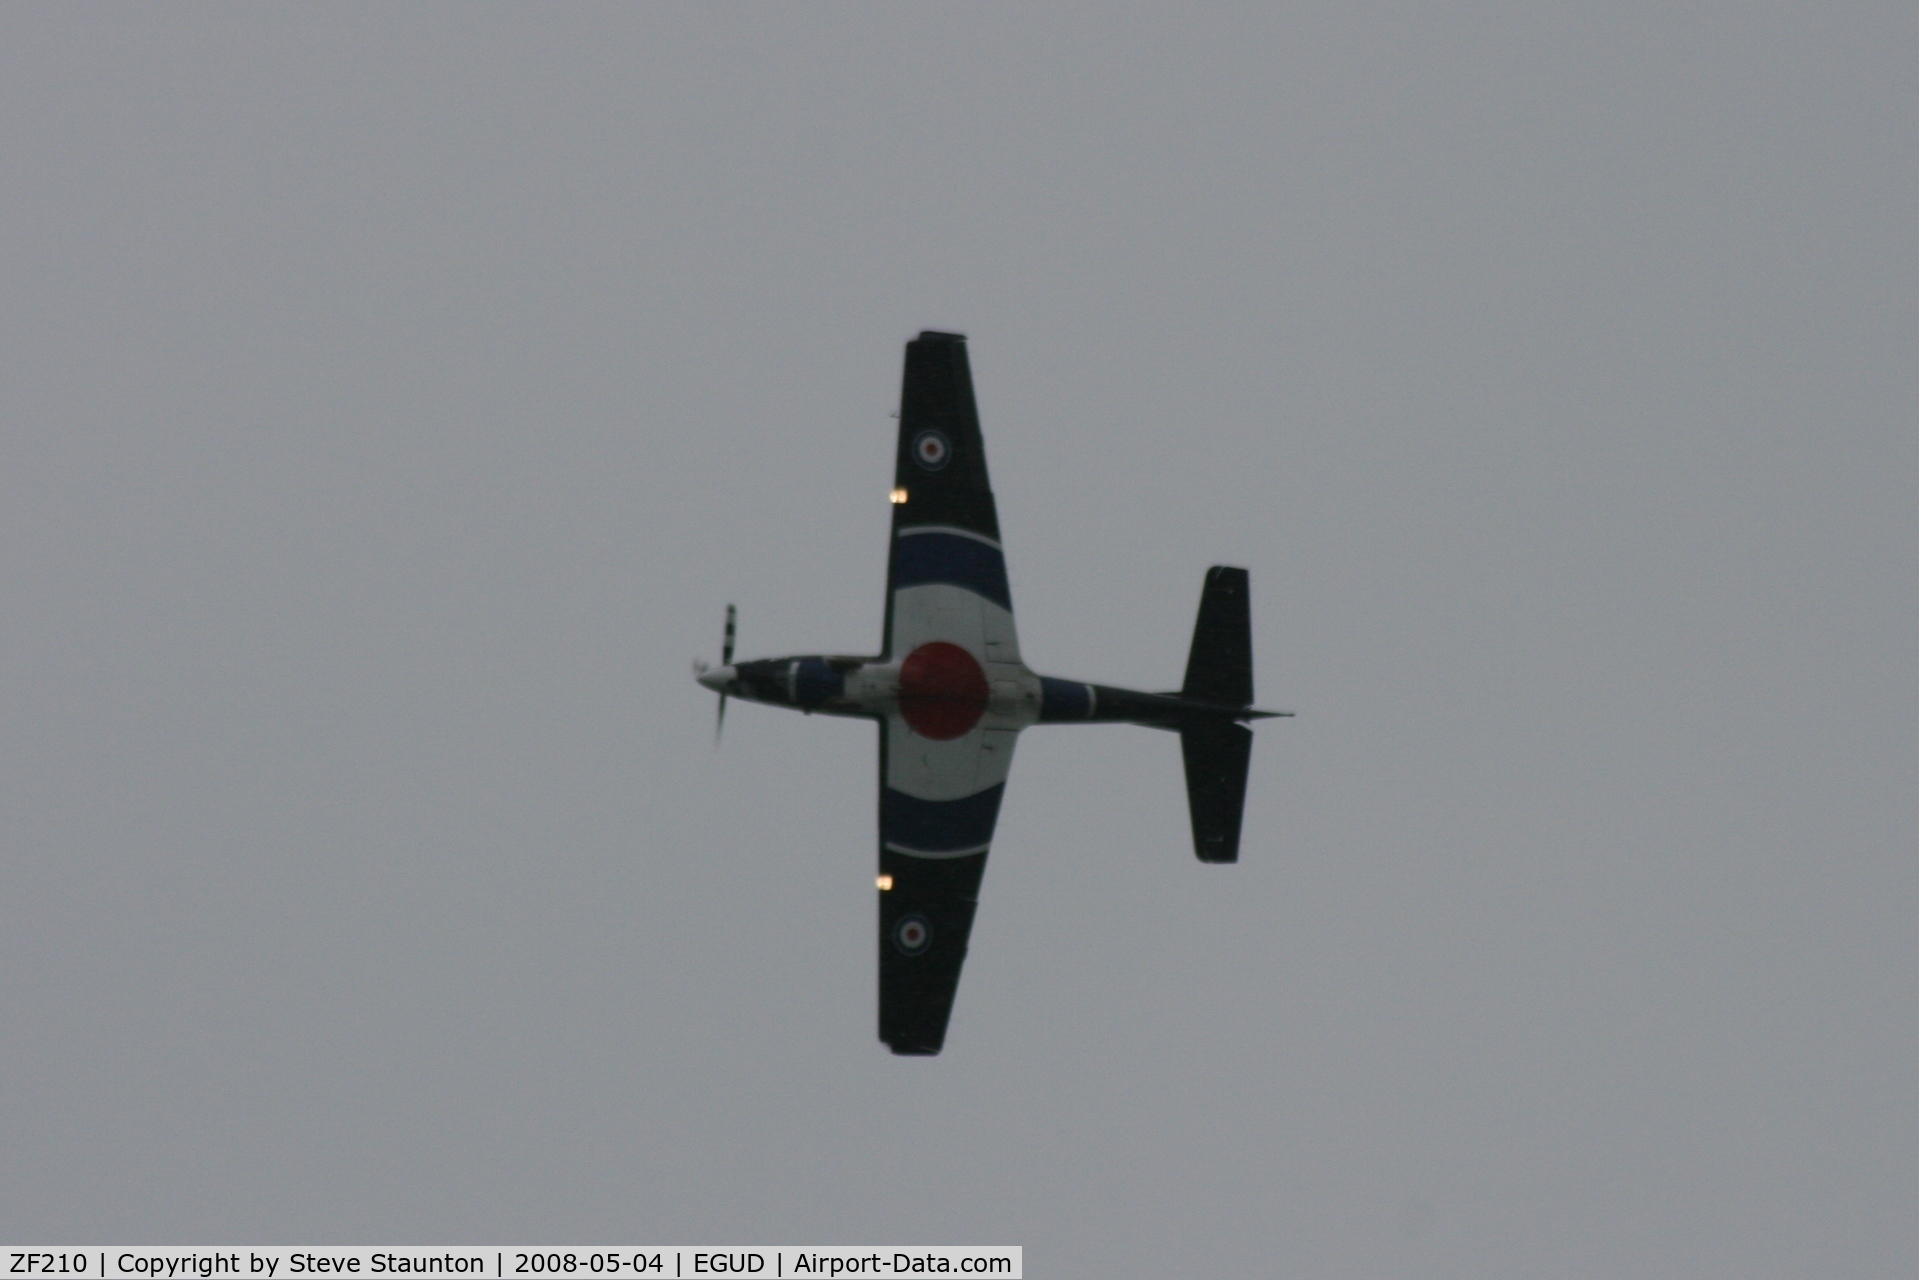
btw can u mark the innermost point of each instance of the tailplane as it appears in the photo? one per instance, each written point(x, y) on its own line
point(1220, 667)
point(1217, 753)
point(1219, 670)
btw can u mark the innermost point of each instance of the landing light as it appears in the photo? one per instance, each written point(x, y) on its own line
point(898, 496)
point(885, 882)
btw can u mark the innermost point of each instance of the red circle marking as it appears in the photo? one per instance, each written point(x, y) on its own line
point(942, 691)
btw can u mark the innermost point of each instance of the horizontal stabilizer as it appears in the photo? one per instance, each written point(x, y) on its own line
point(1217, 753)
point(1220, 667)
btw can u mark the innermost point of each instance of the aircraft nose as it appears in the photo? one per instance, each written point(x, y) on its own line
point(718, 678)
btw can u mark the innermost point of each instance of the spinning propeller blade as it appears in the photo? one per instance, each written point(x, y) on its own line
point(726, 660)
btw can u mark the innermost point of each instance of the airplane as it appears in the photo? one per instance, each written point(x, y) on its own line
point(951, 695)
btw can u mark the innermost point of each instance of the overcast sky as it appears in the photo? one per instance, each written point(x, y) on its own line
point(394, 398)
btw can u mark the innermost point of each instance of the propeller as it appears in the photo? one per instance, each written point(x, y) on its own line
point(726, 660)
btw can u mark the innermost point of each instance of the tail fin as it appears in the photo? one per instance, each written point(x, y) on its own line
point(1217, 753)
point(1220, 666)
point(1219, 670)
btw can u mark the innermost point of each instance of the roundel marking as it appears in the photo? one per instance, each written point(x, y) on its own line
point(942, 691)
point(912, 934)
point(932, 450)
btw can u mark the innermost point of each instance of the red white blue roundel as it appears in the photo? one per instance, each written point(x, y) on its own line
point(932, 450)
point(912, 934)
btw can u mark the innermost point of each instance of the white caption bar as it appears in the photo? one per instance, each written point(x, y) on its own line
point(494, 1262)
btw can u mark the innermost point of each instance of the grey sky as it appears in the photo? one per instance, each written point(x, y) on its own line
point(396, 396)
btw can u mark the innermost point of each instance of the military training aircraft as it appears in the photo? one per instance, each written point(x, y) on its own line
point(950, 695)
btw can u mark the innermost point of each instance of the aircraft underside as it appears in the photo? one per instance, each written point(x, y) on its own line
point(951, 695)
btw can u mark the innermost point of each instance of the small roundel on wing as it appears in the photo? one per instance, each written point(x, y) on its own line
point(942, 691)
point(932, 450)
point(912, 934)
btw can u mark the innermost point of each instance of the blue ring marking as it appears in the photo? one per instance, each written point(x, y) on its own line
point(953, 558)
point(1064, 699)
point(908, 823)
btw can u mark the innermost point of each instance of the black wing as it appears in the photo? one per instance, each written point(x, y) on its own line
point(926, 915)
point(927, 898)
point(939, 466)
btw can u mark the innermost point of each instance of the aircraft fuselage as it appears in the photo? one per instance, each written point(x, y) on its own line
point(941, 688)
